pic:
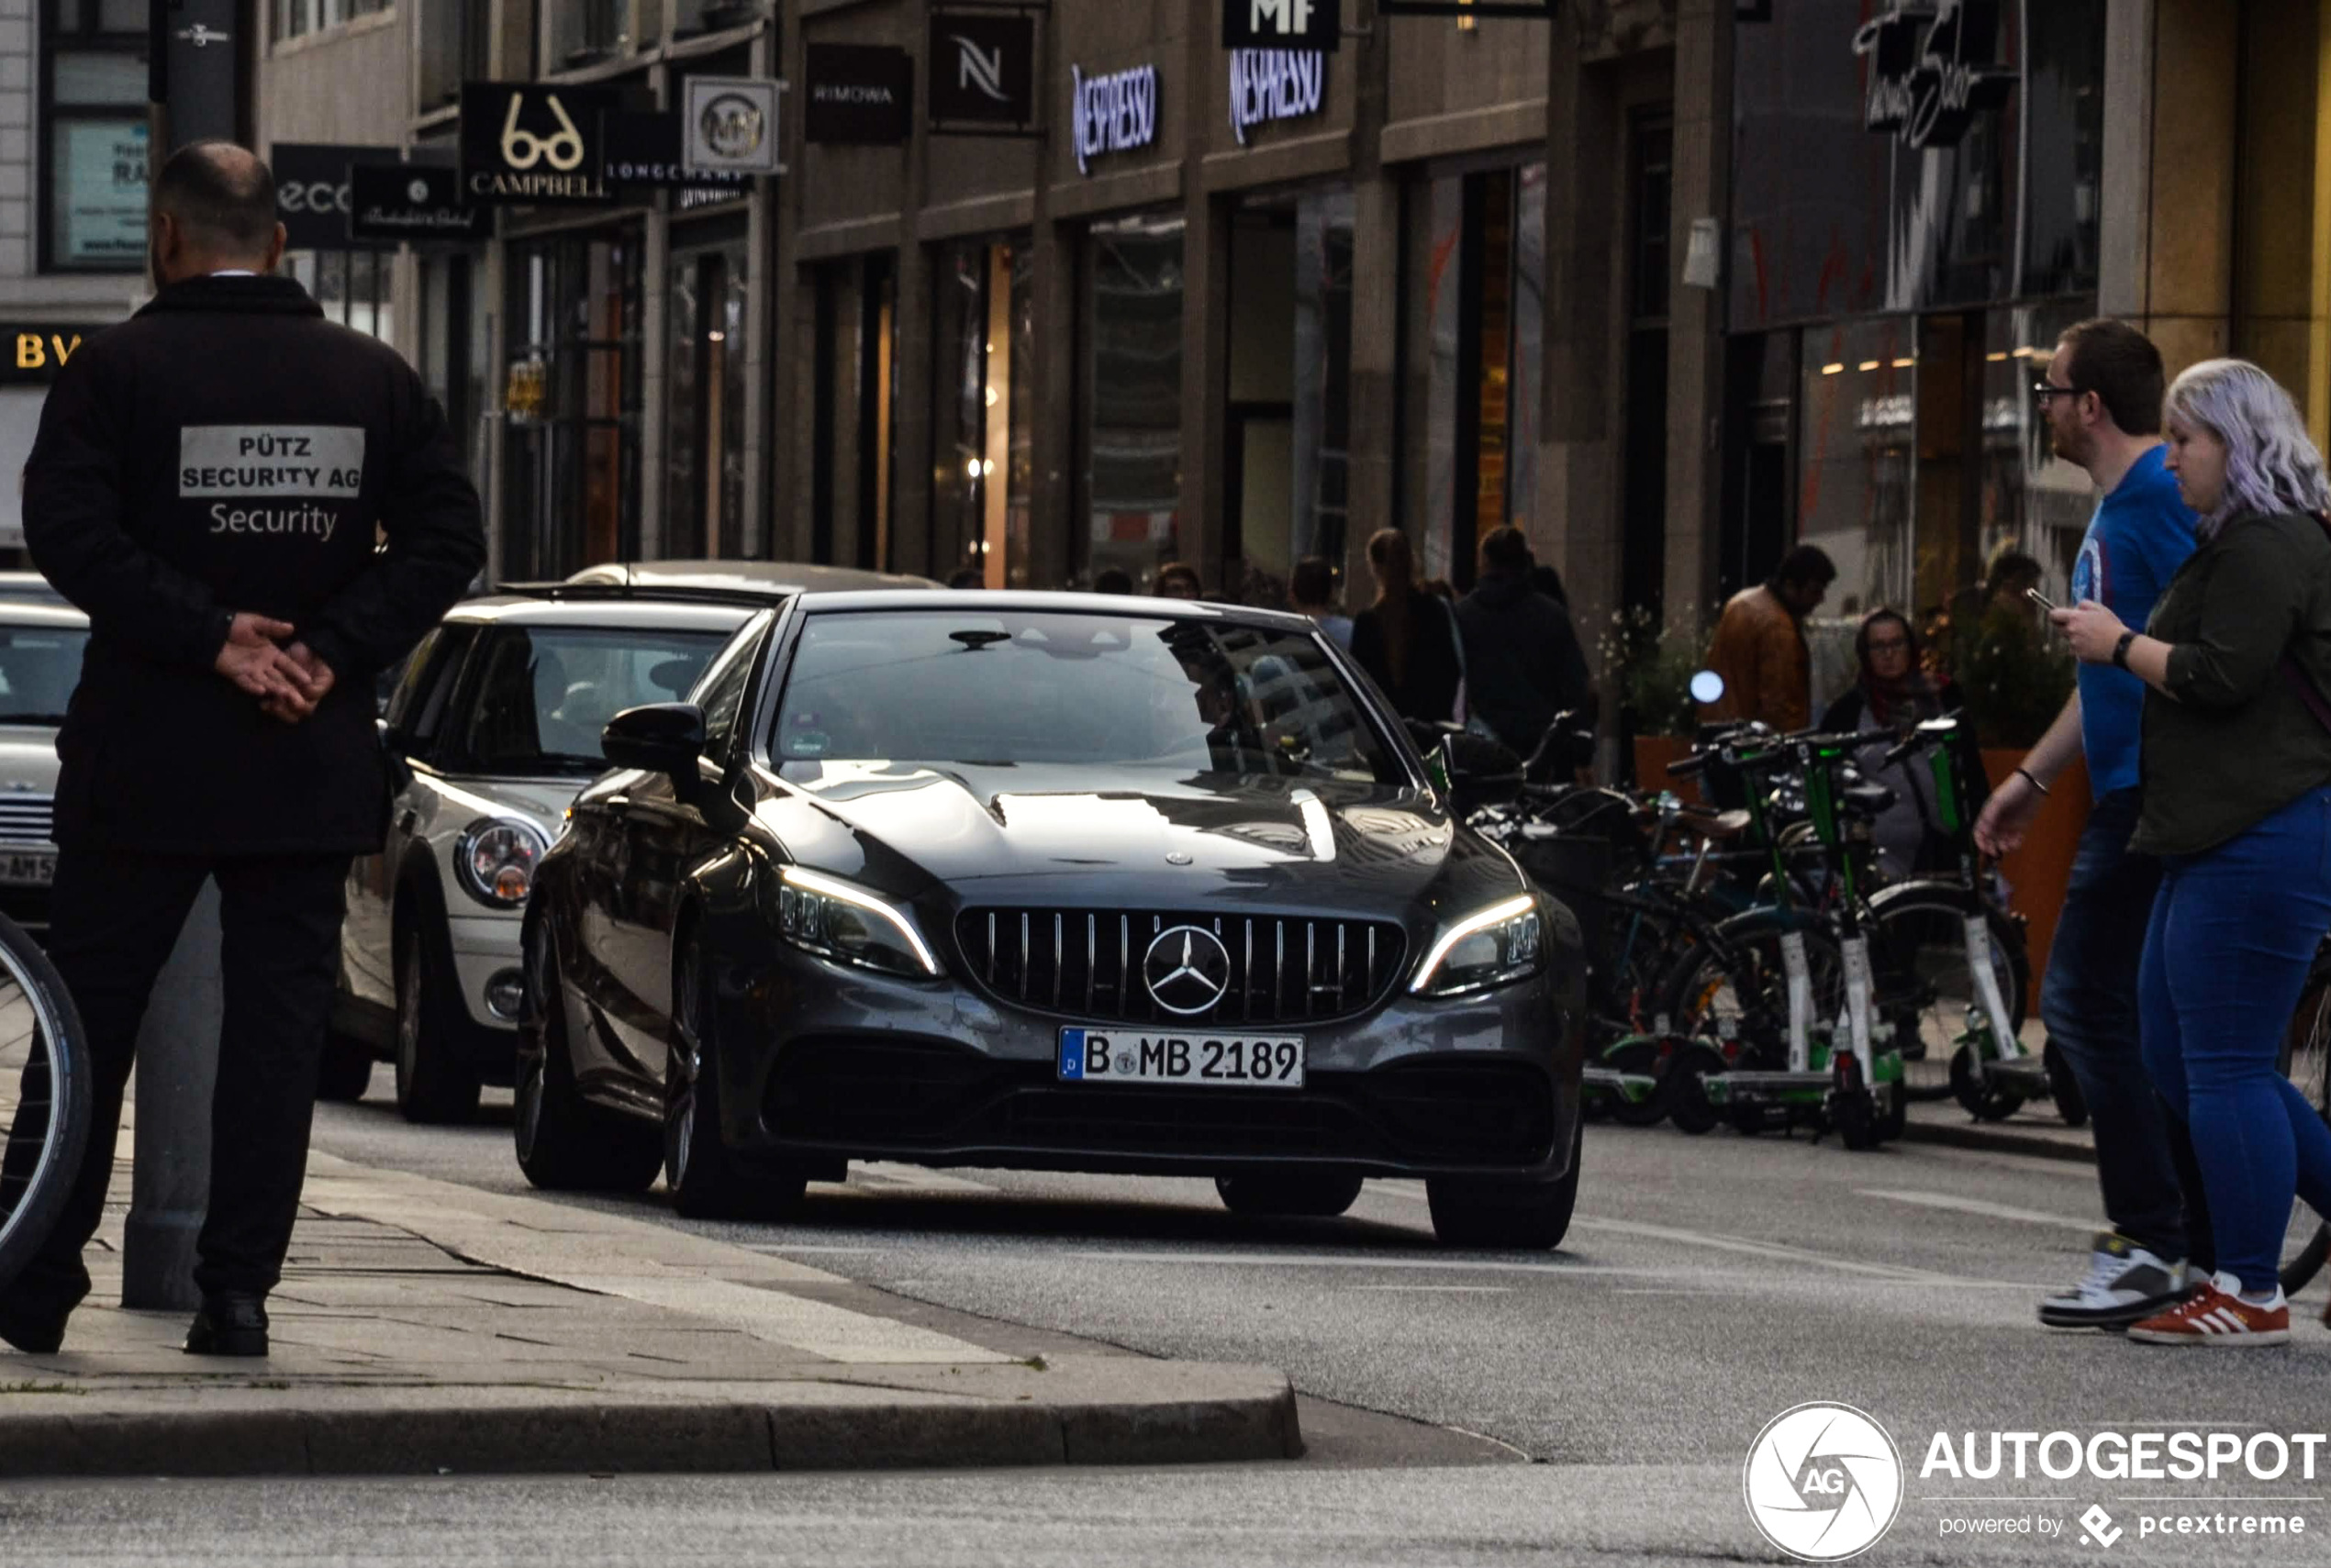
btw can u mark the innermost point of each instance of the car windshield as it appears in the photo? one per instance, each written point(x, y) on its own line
point(951, 686)
point(547, 692)
point(39, 665)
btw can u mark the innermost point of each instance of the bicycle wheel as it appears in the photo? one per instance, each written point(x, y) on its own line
point(2306, 1061)
point(1734, 991)
point(45, 1091)
point(1927, 988)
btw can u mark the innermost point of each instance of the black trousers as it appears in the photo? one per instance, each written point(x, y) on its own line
point(114, 918)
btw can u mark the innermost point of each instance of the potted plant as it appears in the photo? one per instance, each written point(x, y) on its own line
point(1650, 666)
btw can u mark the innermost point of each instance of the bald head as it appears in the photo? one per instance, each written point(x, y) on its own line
point(213, 204)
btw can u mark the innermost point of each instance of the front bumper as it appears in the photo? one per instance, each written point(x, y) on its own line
point(820, 1062)
point(485, 949)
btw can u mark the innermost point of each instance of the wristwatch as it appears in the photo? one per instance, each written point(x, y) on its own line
point(2121, 649)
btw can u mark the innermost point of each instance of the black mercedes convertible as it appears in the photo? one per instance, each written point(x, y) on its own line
point(1047, 882)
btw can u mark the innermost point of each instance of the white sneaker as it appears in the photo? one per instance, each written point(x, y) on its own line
point(2125, 1285)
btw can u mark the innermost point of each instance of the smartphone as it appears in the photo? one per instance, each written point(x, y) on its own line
point(2042, 600)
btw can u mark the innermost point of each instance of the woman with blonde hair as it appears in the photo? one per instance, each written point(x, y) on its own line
point(2236, 764)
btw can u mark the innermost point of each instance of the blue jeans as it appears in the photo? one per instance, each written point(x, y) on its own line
point(2233, 932)
point(2088, 1004)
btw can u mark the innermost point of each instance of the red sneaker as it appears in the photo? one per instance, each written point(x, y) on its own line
point(2217, 1315)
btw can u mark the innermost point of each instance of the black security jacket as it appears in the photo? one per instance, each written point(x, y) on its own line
point(227, 450)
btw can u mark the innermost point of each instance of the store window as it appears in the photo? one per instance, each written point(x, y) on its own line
point(93, 131)
point(586, 31)
point(856, 413)
point(704, 434)
point(453, 348)
point(982, 420)
point(1131, 400)
point(1856, 474)
point(573, 400)
point(1481, 277)
point(454, 40)
point(1289, 394)
point(295, 17)
point(356, 288)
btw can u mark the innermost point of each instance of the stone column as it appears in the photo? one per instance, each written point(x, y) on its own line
point(1701, 178)
point(1377, 241)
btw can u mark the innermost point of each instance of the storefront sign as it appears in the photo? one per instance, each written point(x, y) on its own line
point(388, 203)
point(312, 191)
point(1275, 84)
point(642, 148)
point(982, 71)
point(861, 94)
point(32, 353)
point(526, 142)
point(730, 126)
point(1283, 24)
point(101, 203)
point(1116, 113)
point(1934, 66)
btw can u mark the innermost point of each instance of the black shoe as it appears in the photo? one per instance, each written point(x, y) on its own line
point(228, 1325)
point(29, 1329)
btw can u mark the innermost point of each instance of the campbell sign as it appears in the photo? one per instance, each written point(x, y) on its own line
point(1932, 68)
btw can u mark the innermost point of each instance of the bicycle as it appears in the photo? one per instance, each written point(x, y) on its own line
point(46, 1087)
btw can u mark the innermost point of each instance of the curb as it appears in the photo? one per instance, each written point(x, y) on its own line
point(537, 1438)
point(1998, 1141)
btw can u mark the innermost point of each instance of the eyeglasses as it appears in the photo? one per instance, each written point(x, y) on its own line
point(2044, 390)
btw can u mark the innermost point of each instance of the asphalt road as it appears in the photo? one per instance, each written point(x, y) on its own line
point(1707, 1286)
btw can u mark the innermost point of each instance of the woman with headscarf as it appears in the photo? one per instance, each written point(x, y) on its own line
point(1895, 693)
point(1407, 640)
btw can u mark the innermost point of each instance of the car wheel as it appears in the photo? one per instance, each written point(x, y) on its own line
point(703, 1177)
point(565, 1142)
point(1534, 1215)
point(1307, 1193)
point(434, 1084)
point(346, 1071)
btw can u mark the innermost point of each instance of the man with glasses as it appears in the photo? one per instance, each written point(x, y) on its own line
point(2101, 400)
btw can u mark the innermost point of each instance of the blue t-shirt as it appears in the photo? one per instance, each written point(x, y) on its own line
point(2140, 536)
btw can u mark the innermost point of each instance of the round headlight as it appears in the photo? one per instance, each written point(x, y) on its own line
point(496, 858)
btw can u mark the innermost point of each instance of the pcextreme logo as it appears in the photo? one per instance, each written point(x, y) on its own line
point(1823, 1482)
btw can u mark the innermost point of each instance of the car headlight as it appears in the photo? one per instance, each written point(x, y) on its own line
point(496, 858)
point(1500, 944)
point(828, 916)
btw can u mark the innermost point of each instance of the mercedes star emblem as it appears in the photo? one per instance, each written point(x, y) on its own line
point(1187, 969)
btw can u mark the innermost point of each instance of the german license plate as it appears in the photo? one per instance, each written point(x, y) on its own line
point(1215, 1061)
point(20, 869)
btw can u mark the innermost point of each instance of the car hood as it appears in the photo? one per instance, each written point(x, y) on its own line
point(1136, 837)
point(27, 760)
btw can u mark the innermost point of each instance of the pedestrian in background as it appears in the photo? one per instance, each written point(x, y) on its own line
point(1407, 640)
point(1523, 662)
point(1895, 693)
point(2101, 396)
point(1760, 647)
point(1311, 590)
point(207, 484)
point(2237, 762)
point(1177, 581)
point(1114, 580)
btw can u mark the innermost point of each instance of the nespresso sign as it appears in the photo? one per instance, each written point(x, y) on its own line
point(33, 352)
point(1116, 113)
point(859, 94)
point(1934, 66)
point(526, 143)
point(1275, 84)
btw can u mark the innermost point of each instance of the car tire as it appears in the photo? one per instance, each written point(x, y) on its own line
point(1295, 1193)
point(565, 1143)
point(436, 1084)
point(346, 1071)
point(1529, 1216)
point(703, 1177)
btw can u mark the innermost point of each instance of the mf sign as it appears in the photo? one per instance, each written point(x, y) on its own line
point(1283, 24)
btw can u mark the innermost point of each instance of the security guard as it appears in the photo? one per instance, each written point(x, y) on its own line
point(210, 482)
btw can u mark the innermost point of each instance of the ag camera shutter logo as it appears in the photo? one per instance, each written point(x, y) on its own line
point(1823, 1482)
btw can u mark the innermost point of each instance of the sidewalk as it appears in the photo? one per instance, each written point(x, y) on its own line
point(2036, 1129)
point(427, 1328)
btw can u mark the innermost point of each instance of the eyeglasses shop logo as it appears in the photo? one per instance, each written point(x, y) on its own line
point(1823, 1482)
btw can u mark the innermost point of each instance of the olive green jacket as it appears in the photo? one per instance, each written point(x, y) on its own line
point(2234, 742)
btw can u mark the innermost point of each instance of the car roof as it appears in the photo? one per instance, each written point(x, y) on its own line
point(28, 585)
point(997, 601)
point(38, 611)
point(754, 577)
point(645, 614)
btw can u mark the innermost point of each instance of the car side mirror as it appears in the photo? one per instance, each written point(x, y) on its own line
point(661, 738)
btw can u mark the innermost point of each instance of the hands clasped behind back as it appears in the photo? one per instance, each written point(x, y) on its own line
point(288, 681)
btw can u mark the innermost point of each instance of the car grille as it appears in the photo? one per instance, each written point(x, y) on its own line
point(1087, 965)
point(910, 1094)
point(27, 818)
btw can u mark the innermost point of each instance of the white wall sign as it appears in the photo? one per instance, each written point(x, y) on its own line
point(730, 126)
point(1275, 84)
point(1112, 113)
